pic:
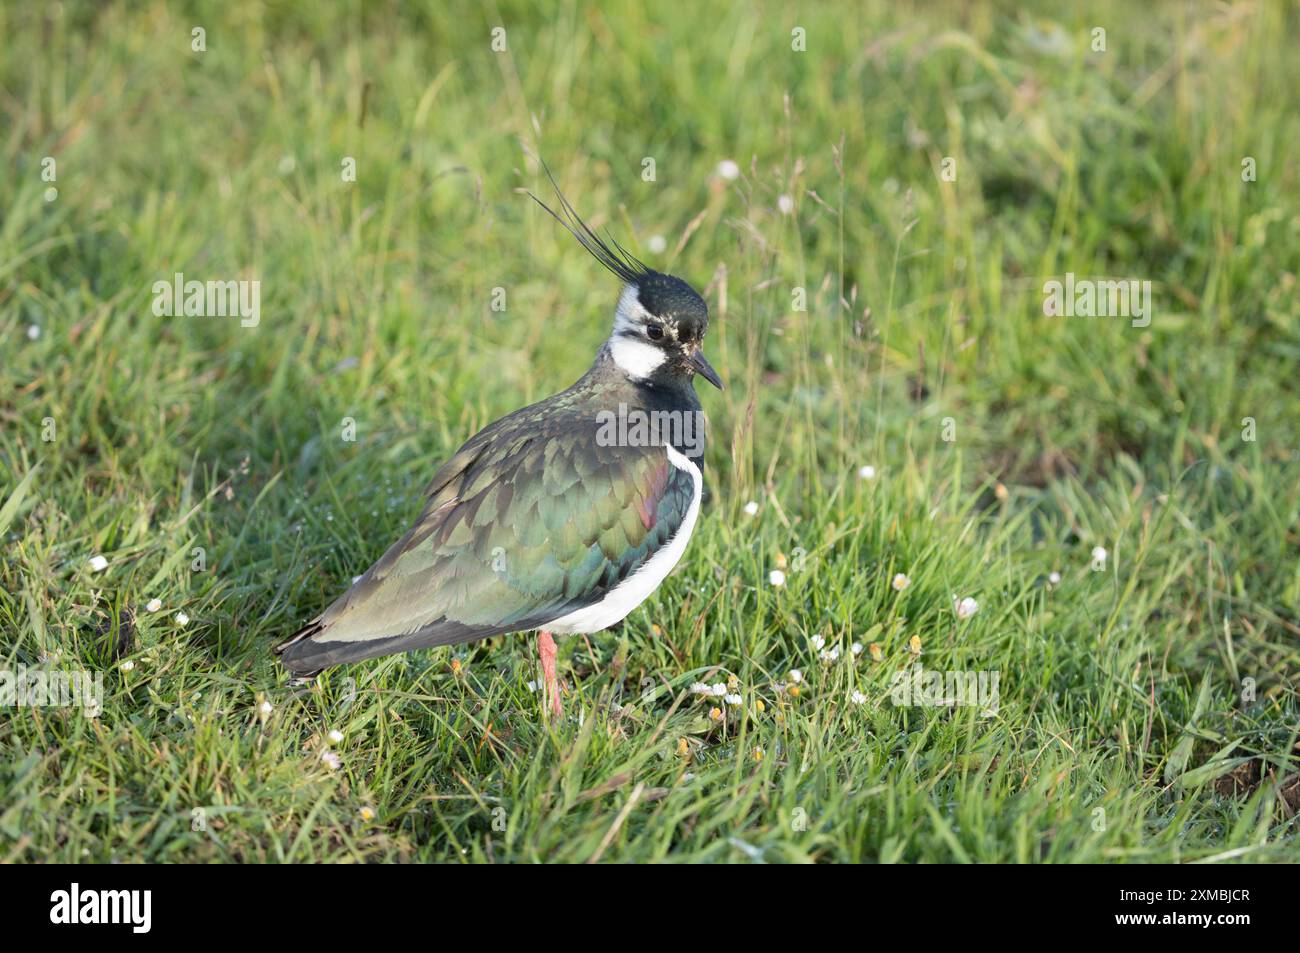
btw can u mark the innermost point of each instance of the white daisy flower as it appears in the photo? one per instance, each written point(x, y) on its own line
point(657, 244)
point(153, 606)
point(728, 169)
point(335, 736)
point(331, 759)
point(751, 508)
point(718, 689)
point(128, 665)
point(867, 472)
point(33, 332)
point(785, 204)
point(265, 708)
point(796, 676)
point(732, 699)
point(965, 608)
point(830, 655)
point(182, 619)
point(856, 649)
point(776, 577)
point(98, 564)
point(900, 582)
point(698, 688)
point(817, 641)
point(1099, 555)
point(857, 697)
point(1054, 579)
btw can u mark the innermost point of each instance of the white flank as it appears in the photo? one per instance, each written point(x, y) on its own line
point(636, 588)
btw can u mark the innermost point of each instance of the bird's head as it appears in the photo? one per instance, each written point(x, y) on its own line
point(659, 329)
point(660, 322)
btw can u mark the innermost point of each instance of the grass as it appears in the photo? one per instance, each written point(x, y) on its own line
point(1147, 711)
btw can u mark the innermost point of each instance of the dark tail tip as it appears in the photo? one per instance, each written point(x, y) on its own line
point(296, 652)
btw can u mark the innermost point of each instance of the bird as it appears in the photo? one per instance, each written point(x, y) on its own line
point(560, 518)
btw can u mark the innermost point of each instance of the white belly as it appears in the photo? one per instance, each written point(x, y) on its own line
point(636, 588)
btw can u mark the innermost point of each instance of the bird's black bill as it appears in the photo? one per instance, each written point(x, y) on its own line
point(702, 367)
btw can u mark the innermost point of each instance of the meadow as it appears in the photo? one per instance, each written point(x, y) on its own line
point(872, 197)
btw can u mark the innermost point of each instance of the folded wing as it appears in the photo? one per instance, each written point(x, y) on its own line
point(532, 519)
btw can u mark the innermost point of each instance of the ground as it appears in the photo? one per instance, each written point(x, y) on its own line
point(1116, 494)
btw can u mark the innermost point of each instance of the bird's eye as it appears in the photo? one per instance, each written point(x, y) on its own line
point(656, 331)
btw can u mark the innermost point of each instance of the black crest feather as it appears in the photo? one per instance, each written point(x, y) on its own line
point(609, 252)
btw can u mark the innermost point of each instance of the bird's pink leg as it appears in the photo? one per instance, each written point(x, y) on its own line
point(546, 648)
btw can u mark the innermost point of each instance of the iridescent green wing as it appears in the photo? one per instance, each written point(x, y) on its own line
point(532, 519)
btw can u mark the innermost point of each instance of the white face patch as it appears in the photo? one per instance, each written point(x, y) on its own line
point(636, 357)
point(629, 315)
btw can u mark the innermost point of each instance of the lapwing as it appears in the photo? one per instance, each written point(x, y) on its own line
point(560, 518)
